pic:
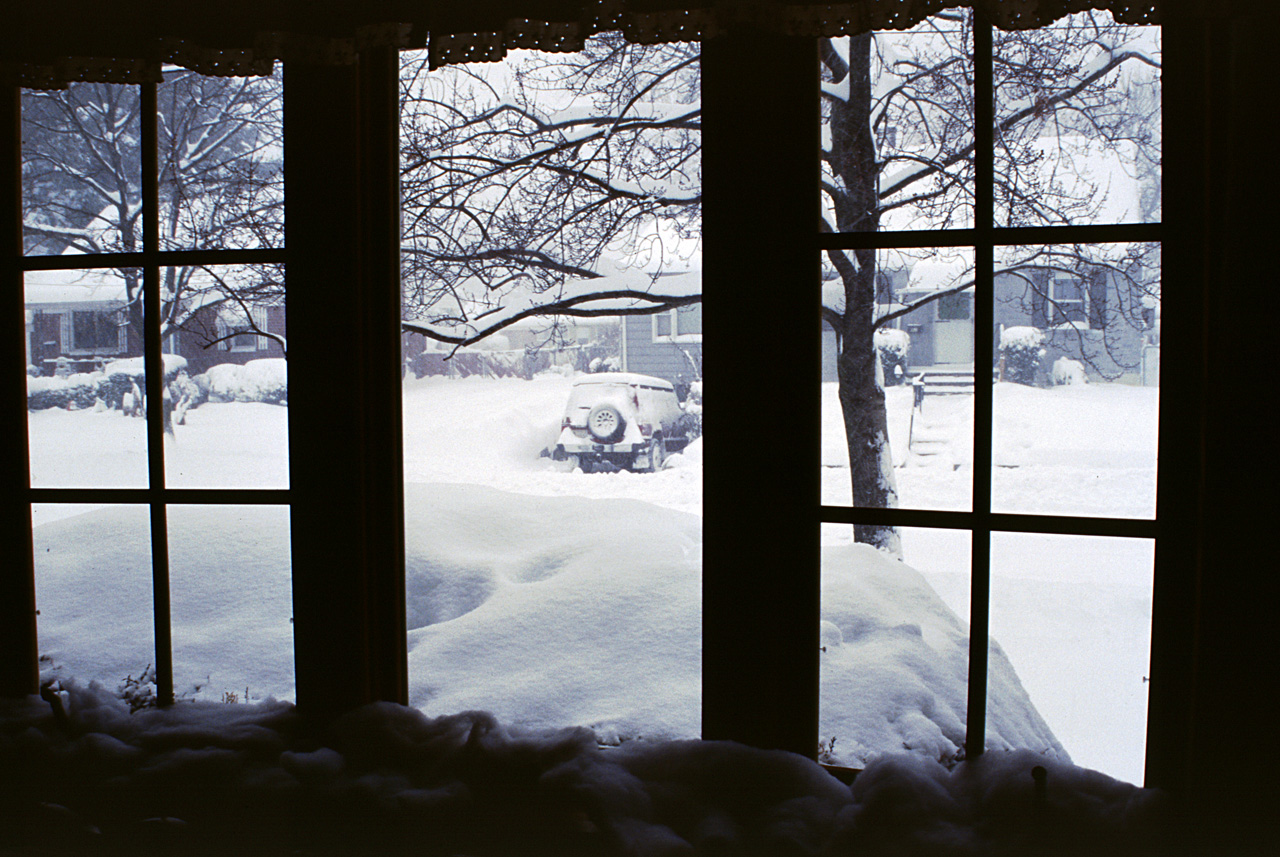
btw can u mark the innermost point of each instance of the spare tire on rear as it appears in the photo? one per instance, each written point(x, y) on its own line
point(606, 424)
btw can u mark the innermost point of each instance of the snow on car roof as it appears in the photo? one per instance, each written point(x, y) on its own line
point(631, 378)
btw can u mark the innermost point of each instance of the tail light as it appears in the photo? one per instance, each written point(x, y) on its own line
point(646, 429)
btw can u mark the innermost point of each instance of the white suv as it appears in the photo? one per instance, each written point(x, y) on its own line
point(622, 419)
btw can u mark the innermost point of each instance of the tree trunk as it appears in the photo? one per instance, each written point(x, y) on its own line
point(858, 367)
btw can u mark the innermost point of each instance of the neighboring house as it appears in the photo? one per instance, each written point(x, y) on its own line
point(1100, 321)
point(76, 322)
point(666, 345)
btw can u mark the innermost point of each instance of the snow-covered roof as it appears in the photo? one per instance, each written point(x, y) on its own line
point(73, 287)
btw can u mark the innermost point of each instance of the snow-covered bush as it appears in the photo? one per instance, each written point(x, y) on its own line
point(1021, 350)
point(892, 345)
point(263, 380)
point(81, 390)
point(1068, 371)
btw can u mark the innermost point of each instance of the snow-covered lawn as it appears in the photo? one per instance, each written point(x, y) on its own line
point(554, 598)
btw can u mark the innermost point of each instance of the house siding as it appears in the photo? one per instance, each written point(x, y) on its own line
point(671, 361)
point(200, 359)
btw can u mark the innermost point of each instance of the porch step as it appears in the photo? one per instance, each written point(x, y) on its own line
point(946, 381)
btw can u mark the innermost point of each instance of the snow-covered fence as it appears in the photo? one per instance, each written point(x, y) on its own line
point(506, 363)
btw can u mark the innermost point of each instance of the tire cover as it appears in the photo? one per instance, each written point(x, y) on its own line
point(606, 424)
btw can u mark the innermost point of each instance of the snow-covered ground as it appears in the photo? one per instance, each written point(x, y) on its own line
point(554, 598)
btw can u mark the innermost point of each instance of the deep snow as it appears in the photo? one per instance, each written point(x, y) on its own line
point(581, 607)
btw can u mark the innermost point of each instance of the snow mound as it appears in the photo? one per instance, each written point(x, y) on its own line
point(895, 668)
point(1068, 371)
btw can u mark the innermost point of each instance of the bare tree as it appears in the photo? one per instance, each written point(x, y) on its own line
point(898, 154)
point(219, 153)
point(527, 187)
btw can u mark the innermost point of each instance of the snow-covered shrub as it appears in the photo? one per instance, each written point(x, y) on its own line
point(1021, 350)
point(892, 345)
point(81, 390)
point(263, 380)
point(1068, 371)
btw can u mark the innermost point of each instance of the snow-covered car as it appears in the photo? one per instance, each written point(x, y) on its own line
point(623, 419)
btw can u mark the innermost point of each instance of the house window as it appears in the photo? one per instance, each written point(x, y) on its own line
point(625, 116)
point(683, 324)
point(968, 225)
point(229, 325)
point(954, 307)
point(95, 330)
point(1066, 301)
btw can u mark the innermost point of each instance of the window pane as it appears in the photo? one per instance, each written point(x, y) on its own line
point(229, 402)
point(232, 603)
point(1073, 615)
point(85, 378)
point(923, 351)
point(554, 575)
point(916, 163)
point(1078, 123)
point(93, 593)
point(1078, 356)
point(221, 161)
point(895, 651)
point(81, 170)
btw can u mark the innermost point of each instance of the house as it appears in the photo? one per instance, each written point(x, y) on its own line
point(1105, 321)
point(77, 321)
point(666, 345)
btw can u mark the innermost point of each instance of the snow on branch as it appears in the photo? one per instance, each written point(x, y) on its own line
point(626, 293)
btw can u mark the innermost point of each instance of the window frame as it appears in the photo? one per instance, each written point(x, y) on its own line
point(981, 522)
point(151, 258)
point(771, 662)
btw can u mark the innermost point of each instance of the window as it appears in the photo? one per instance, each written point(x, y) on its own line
point(1020, 220)
point(95, 330)
point(683, 324)
point(161, 203)
point(1066, 300)
point(967, 226)
point(229, 325)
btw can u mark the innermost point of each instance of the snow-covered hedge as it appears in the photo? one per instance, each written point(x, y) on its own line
point(1021, 350)
point(892, 345)
point(1068, 371)
point(263, 380)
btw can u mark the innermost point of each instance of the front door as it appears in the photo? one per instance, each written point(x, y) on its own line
point(953, 329)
